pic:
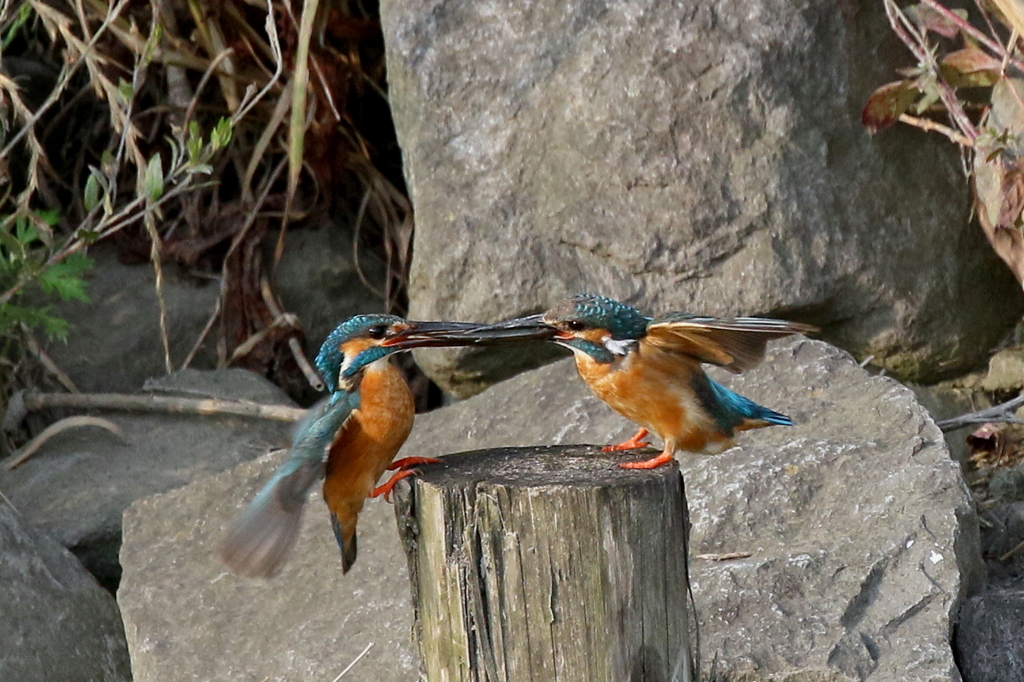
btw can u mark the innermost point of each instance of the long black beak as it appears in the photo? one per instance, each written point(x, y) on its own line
point(529, 328)
point(432, 334)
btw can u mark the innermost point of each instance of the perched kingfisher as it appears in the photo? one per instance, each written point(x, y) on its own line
point(359, 428)
point(649, 370)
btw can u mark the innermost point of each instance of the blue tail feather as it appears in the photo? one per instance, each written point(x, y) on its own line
point(731, 409)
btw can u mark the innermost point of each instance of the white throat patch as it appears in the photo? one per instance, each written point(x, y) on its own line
point(619, 346)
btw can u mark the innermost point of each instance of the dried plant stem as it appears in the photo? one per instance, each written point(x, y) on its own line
point(1003, 412)
point(293, 343)
point(35, 401)
point(970, 30)
point(58, 427)
point(917, 43)
point(931, 126)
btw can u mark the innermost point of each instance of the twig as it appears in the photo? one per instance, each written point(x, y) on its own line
point(58, 427)
point(728, 556)
point(928, 125)
point(1013, 551)
point(163, 404)
point(917, 43)
point(970, 30)
point(349, 666)
point(1000, 413)
point(46, 361)
point(293, 343)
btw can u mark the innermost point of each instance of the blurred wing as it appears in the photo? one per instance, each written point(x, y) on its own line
point(736, 344)
point(263, 535)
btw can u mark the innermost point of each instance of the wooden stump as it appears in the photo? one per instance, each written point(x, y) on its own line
point(549, 564)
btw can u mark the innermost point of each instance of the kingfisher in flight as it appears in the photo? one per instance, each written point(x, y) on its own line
point(649, 370)
point(349, 438)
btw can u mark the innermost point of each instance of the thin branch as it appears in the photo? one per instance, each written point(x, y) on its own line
point(34, 401)
point(1000, 413)
point(58, 427)
point(931, 126)
point(970, 30)
point(917, 43)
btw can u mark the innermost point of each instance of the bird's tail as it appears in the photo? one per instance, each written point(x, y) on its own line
point(263, 535)
point(345, 534)
point(743, 413)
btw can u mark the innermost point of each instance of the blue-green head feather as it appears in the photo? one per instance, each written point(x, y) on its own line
point(331, 362)
point(578, 317)
point(587, 311)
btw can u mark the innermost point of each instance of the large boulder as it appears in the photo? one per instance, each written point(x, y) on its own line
point(115, 343)
point(861, 538)
point(705, 157)
point(78, 485)
point(56, 622)
point(186, 618)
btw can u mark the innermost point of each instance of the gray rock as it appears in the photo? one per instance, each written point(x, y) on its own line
point(79, 484)
point(186, 618)
point(317, 280)
point(988, 637)
point(862, 536)
point(862, 540)
point(56, 622)
point(676, 156)
point(114, 343)
point(945, 401)
point(1005, 371)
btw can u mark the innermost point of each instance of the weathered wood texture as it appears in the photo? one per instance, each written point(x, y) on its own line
point(549, 564)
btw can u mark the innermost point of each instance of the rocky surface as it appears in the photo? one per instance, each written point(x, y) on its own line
point(861, 537)
point(114, 344)
point(78, 485)
point(682, 157)
point(56, 622)
point(186, 618)
point(318, 281)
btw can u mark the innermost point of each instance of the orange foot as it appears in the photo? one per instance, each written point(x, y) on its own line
point(407, 462)
point(405, 470)
point(663, 458)
point(388, 487)
point(637, 441)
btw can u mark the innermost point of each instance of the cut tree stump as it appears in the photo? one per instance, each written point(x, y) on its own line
point(549, 565)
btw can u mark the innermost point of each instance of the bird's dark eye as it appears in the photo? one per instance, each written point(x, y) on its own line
point(377, 331)
point(576, 325)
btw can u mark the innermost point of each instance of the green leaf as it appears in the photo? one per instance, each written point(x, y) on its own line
point(221, 135)
point(91, 196)
point(24, 12)
point(195, 143)
point(65, 278)
point(126, 91)
point(971, 67)
point(153, 183)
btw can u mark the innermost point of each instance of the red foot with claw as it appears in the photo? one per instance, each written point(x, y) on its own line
point(407, 462)
point(388, 487)
point(663, 458)
point(637, 441)
point(405, 470)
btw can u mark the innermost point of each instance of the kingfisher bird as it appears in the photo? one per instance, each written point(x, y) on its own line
point(359, 428)
point(649, 369)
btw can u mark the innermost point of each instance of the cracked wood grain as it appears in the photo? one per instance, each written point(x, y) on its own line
point(551, 564)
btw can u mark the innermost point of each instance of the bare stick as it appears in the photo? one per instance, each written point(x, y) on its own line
point(162, 404)
point(1000, 413)
point(928, 125)
point(59, 426)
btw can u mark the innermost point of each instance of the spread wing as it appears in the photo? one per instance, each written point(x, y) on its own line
point(737, 344)
point(262, 536)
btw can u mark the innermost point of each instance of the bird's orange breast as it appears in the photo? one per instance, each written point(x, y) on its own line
point(370, 440)
point(653, 389)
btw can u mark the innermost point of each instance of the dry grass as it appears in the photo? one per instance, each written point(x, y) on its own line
point(197, 133)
